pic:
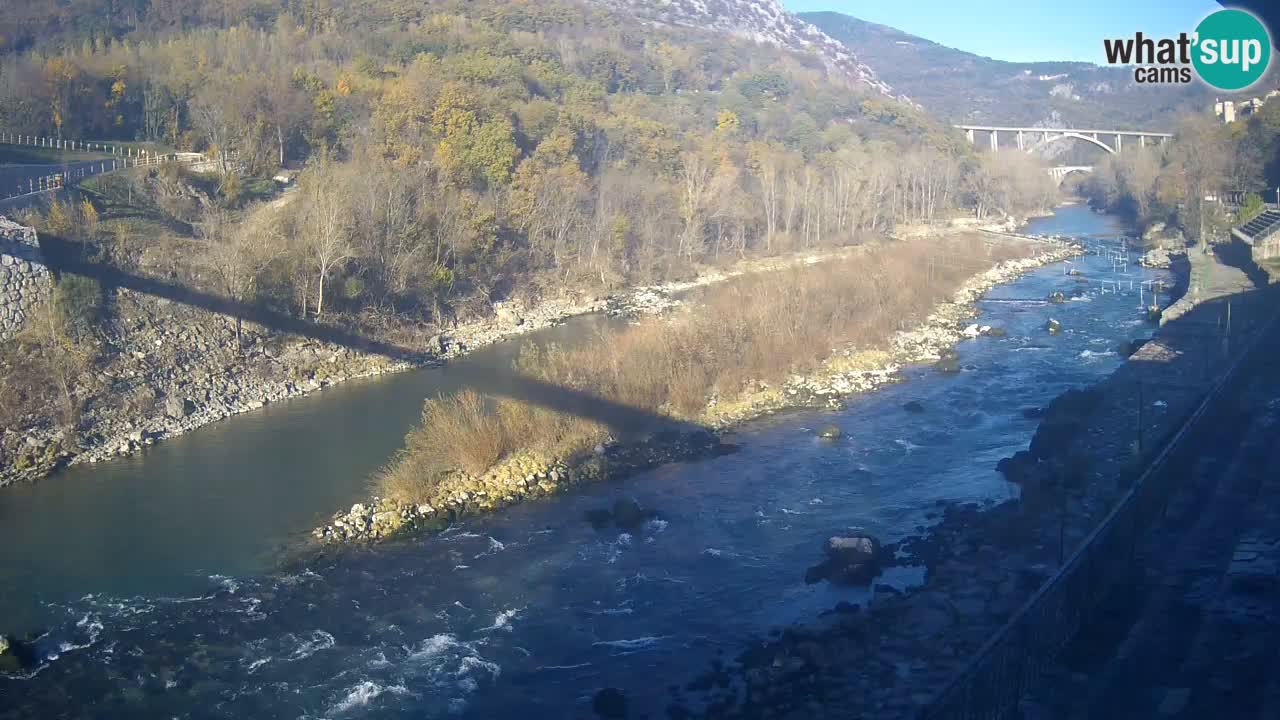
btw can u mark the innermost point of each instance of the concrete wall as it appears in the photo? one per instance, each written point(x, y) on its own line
point(24, 280)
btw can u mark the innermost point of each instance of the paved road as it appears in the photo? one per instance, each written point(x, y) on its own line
point(1197, 635)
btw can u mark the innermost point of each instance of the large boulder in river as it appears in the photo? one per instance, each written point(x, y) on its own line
point(627, 514)
point(854, 559)
point(16, 655)
point(1057, 297)
point(829, 432)
point(1053, 326)
point(610, 704)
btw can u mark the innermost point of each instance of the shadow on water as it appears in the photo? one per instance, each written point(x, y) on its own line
point(65, 258)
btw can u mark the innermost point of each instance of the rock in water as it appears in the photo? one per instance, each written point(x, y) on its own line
point(610, 703)
point(913, 406)
point(850, 560)
point(996, 332)
point(829, 432)
point(599, 518)
point(1053, 326)
point(1057, 297)
point(628, 515)
point(16, 655)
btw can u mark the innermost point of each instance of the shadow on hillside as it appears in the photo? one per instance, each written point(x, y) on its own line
point(65, 258)
point(1238, 255)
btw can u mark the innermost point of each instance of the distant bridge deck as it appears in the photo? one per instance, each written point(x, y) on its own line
point(1048, 135)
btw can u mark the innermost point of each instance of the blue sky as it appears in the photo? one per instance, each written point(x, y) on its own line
point(1022, 32)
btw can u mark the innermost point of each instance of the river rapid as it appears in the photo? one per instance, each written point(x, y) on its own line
point(155, 583)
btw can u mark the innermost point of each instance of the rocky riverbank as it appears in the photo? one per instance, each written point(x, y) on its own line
point(166, 368)
point(891, 657)
point(850, 371)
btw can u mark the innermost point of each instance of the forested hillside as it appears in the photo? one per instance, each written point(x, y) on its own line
point(457, 152)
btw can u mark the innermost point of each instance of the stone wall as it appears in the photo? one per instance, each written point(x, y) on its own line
point(24, 279)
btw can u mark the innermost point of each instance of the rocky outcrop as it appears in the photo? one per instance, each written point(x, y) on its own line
point(24, 279)
point(1160, 257)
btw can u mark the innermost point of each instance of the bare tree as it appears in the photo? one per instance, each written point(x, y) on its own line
point(323, 227)
point(238, 252)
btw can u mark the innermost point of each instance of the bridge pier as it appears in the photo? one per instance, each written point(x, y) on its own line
point(1022, 145)
point(995, 140)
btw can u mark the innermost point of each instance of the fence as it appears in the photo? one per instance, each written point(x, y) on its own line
point(995, 680)
point(39, 141)
point(57, 181)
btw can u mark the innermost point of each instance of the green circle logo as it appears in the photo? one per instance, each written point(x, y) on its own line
point(1232, 49)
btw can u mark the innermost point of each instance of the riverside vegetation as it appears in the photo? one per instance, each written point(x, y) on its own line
point(452, 159)
point(756, 345)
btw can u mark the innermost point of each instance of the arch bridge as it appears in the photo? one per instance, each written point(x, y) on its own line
point(1029, 139)
point(1060, 172)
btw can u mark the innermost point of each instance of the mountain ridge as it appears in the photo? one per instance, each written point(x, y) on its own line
point(766, 21)
point(961, 86)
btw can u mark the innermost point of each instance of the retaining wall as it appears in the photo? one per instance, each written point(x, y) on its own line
point(24, 279)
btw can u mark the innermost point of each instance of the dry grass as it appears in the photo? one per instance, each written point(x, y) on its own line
point(756, 328)
point(472, 433)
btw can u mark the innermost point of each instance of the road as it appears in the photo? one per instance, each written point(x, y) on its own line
point(17, 177)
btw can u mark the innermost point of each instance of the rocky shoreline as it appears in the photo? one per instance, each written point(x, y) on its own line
point(534, 474)
point(176, 368)
point(890, 658)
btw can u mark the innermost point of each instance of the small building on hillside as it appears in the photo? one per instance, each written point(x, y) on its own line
point(1261, 235)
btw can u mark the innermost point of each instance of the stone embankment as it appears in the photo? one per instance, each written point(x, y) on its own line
point(849, 372)
point(24, 279)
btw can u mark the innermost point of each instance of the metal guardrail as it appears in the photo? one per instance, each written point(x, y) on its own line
point(994, 682)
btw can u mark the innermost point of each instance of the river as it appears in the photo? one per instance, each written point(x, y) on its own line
point(157, 577)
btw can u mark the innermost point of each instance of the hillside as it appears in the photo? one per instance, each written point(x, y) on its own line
point(455, 161)
point(963, 87)
point(763, 21)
